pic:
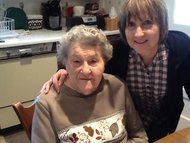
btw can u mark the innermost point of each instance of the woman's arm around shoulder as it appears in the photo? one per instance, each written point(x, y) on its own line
point(56, 80)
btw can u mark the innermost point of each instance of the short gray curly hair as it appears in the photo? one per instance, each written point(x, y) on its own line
point(86, 35)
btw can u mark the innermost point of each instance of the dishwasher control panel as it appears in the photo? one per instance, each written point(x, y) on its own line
point(27, 50)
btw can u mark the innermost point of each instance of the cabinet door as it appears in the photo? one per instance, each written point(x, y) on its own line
point(21, 80)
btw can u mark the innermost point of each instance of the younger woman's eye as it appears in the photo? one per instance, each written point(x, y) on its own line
point(131, 25)
point(147, 24)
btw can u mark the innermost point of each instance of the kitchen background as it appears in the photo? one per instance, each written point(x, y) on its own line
point(42, 62)
point(33, 6)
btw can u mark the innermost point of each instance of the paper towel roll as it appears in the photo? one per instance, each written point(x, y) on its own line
point(112, 13)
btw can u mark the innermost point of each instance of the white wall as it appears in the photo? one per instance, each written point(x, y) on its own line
point(30, 6)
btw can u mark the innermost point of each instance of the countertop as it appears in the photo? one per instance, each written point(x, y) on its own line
point(37, 37)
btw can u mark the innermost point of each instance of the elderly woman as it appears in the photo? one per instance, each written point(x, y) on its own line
point(91, 107)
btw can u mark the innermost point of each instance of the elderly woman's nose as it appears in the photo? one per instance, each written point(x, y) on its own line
point(86, 68)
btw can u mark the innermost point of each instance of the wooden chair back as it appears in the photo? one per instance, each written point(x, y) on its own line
point(25, 115)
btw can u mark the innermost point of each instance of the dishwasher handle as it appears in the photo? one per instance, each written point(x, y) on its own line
point(25, 52)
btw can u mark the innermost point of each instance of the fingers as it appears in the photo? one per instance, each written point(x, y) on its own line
point(58, 79)
point(45, 88)
point(56, 84)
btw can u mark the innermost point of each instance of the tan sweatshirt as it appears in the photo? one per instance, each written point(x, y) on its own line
point(107, 115)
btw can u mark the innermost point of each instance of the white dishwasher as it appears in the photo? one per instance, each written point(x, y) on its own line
point(23, 70)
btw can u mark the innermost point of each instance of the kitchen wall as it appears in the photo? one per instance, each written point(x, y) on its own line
point(107, 4)
point(33, 6)
point(30, 6)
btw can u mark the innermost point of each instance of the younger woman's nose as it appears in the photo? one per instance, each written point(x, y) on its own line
point(139, 32)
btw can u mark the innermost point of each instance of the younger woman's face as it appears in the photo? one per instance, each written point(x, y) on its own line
point(85, 67)
point(142, 35)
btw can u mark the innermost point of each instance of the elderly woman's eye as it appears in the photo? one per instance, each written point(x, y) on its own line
point(93, 61)
point(76, 61)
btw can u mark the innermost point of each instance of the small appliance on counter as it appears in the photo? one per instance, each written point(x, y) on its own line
point(89, 20)
point(77, 20)
point(51, 12)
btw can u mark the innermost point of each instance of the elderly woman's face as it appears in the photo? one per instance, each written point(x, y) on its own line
point(85, 67)
point(142, 35)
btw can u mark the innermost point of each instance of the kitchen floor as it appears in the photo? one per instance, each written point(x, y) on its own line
point(20, 136)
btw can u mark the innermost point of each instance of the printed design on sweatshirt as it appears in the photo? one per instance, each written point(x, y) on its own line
point(95, 131)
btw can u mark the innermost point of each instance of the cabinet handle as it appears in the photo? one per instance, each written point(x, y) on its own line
point(25, 52)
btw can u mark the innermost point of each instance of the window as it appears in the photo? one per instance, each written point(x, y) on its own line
point(182, 12)
point(179, 15)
